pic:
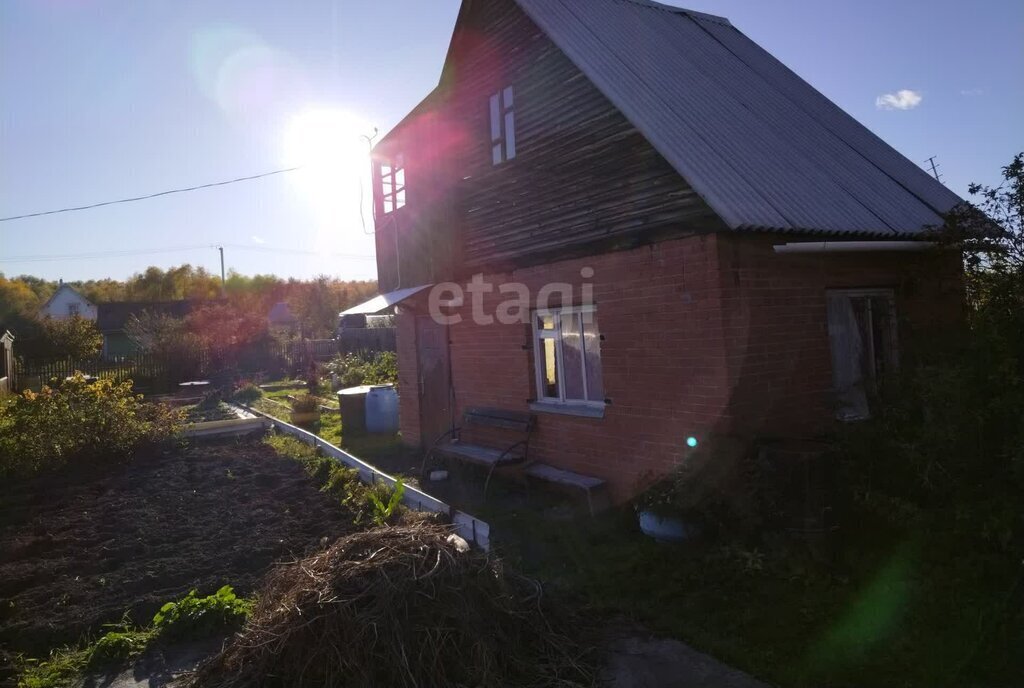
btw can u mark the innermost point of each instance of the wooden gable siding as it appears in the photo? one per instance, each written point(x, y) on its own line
point(414, 243)
point(582, 172)
point(584, 180)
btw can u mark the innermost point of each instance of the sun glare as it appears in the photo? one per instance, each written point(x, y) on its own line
point(329, 146)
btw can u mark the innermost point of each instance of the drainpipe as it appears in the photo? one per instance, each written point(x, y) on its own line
point(852, 246)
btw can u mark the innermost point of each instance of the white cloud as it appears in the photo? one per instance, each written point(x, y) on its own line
point(258, 239)
point(971, 92)
point(904, 99)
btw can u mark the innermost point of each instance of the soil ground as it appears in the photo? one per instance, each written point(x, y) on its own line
point(78, 551)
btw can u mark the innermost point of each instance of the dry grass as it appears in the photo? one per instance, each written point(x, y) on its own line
point(400, 606)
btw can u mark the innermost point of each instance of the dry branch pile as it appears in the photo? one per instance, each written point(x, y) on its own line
point(399, 607)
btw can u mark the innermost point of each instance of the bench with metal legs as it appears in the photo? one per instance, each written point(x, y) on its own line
point(450, 444)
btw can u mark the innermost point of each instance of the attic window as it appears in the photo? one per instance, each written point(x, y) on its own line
point(503, 127)
point(392, 184)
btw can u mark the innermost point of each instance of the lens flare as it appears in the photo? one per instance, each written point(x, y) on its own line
point(691, 442)
point(329, 146)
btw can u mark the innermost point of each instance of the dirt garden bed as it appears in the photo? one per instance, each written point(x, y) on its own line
point(78, 551)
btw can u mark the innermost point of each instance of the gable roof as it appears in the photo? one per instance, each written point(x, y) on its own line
point(64, 287)
point(113, 316)
point(763, 148)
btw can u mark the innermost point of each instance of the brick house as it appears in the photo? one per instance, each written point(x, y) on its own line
point(745, 259)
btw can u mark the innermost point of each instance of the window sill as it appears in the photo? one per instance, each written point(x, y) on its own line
point(582, 410)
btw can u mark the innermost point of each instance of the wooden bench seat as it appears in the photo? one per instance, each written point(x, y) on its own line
point(485, 456)
point(559, 476)
point(517, 424)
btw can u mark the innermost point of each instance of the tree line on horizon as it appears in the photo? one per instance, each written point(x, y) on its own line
point(315, 302)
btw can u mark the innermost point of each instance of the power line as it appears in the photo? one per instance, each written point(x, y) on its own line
point(42, 258)
point(39, 258)
point(153, 195)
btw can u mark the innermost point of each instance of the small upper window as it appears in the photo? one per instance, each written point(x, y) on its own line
point(392, 184)
point(73, 309)
point(503, 127)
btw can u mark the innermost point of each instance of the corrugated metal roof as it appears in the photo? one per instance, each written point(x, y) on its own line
point(759, 144)
point(379, 303)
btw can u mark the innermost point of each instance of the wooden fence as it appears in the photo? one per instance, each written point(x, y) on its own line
point(352, 341)
point(349, 341)
point(145, 369)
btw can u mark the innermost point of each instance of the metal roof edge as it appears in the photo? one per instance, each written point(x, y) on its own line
point(382, 301)
point(652, 4)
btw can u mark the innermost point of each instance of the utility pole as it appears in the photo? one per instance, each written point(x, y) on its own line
point(935, 168)
point(223, 281)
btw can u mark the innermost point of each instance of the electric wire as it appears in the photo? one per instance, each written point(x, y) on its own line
point(152, 195)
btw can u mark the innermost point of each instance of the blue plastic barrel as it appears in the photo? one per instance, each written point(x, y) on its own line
point(382, 409)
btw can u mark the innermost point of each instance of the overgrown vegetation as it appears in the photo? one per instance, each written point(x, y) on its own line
point(379, 503)
point(305, 403)
point(353, 370)
point(246, 393)
point(189, 618)
point(48, 339)
point(193, 616)
point(79, 421)
point(386, 505)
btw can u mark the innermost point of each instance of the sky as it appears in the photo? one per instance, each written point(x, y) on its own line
point(107, 99)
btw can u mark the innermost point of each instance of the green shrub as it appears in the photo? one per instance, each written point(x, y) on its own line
point(247, 394)
point(80, 421)
point(354, 370)
point(197, 617)
point(305, 403)
point(210, 400)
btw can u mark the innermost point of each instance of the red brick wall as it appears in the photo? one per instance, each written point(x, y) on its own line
point(408, 376)
point(704, 336)
point(662, 356)
point(775, 326)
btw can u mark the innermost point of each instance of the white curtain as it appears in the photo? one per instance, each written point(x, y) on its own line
point(847, 358)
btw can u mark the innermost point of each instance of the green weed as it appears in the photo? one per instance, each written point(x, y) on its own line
point(194, 616)
point(386, 501)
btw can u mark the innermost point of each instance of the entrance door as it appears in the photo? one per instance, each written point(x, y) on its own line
point(435, 395)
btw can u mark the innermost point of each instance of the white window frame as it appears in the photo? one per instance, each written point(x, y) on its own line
point(503, 126)
point(389, 171)
point(538, 357)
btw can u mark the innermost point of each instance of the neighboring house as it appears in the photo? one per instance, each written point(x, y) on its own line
point(67, 303)
point(744, 257)
point(112, 318)
point(6, 361)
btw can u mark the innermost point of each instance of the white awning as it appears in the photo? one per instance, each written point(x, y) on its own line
point(384, 301)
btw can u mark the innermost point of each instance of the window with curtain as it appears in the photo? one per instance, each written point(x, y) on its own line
point(862, 337)
point(567, 352)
